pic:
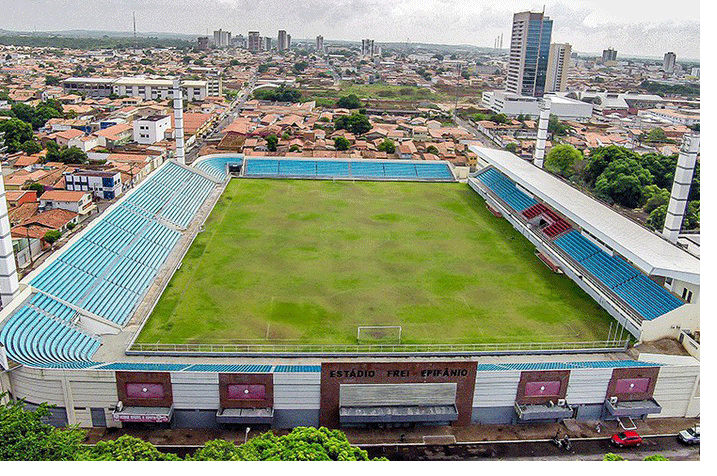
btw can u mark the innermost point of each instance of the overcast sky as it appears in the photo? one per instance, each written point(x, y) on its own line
point(634, 27)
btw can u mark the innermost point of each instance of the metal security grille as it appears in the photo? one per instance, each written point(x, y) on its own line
point(423, 394)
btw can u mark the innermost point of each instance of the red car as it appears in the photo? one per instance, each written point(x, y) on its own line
point(626, 438)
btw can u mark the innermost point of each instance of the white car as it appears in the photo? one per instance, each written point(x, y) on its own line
point(690, 436)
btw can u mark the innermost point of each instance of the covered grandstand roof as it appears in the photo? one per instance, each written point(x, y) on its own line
point(649, 251)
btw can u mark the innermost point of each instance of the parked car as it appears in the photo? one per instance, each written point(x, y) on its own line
point(626, 438)
point(690, 436)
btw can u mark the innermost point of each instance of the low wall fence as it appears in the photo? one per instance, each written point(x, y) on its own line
point(499, 348)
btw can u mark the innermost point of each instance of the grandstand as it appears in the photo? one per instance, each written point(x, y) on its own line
point(614, 268)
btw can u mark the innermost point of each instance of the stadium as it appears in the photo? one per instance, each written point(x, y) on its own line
point(345, 292)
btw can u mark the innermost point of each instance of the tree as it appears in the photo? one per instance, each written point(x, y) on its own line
point(300, 67)
point(432, 149)
point(356, 123)
point(263, 68)
point(26, 437)
point(30, 147)
point(16, 132)
point(562, 158)
point(622, 181)
point(612, 457)
point(661, 167)
point(37, 116)
point(51, 80)
point(302, 444)
point(294, 148)
point(654, 197)
point(217, 450)
point(512, 147)
point(657, 135)
point(52, 236)
point(271, 142)
point(125, 448)
point(68, 155)
point(556, 127)
point(38, 187)
point(656, 457)
point(656, 220)
point(341, 143)
point(387, 146)
point(601, 157)
point(349, 102)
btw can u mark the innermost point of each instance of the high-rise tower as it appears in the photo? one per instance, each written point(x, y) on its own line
point(529, 52)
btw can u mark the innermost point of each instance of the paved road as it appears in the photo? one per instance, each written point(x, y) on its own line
point(583, 450)
point(487, 141)
point(215, 132)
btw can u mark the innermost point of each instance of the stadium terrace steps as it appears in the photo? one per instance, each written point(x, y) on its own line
point(642, 294)
point(107, 271)
point(557, 225)
point(357, 169)
point(506, 190)
point(40, 334)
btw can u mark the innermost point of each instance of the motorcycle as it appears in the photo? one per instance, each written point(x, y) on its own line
point(567, 444)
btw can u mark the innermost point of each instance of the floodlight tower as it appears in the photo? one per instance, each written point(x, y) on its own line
point(539, 153)
point(686, 162)
point(9, 283)
point(179, 122)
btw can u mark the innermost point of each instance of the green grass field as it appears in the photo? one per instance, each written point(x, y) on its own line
point(302, 261)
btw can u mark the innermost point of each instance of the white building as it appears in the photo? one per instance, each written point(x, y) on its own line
point(89, 87)
point(511, 104)
point(159, 89)
point(105, 185)
point(152, 129)
point(686, 118)
point(74, 201)
point(558, 67)
point(222, 38)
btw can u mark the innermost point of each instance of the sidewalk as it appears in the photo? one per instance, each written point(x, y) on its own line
point(418, 435)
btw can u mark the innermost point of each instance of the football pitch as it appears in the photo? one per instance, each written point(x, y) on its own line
point(308, 261)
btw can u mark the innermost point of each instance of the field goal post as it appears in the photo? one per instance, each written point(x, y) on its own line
point(379, 334)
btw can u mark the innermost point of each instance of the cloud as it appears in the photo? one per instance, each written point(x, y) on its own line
point(647, 27)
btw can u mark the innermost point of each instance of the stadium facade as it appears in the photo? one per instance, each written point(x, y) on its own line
point(67, 338)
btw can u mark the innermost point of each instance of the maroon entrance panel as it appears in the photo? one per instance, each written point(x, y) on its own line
point(333, 374)
point(542, 386)
point(246, 390)
point(632, 383)
point(144, 389)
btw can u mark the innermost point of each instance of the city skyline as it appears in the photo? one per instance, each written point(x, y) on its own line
point(590, 26)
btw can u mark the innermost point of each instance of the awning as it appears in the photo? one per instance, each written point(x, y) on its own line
point(398, 414)
point(256, 416)
point(637, 408)
point(144, 414)
point(543, 412)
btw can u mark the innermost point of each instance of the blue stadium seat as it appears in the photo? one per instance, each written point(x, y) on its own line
point(506, 190)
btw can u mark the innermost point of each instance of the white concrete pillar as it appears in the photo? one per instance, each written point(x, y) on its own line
point(686, 162)
point(539, 154)
point(178, 122)
point(8, 272)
